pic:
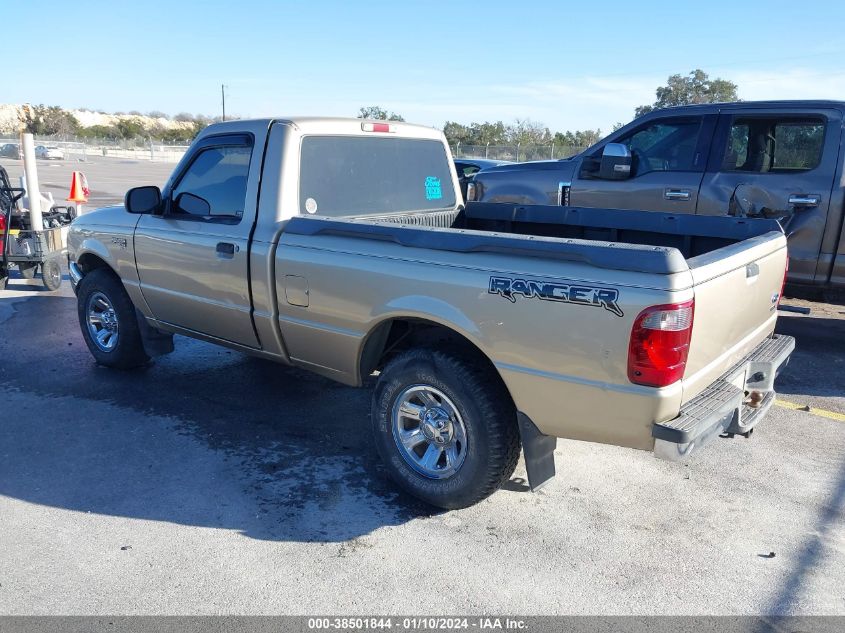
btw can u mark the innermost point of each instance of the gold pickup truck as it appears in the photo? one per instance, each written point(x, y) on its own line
point(344, 247)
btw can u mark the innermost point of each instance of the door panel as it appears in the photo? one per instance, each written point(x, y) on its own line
point(193, 259)
point(776, 162)
point(669, 155)
point(670, 191)
point(187, 282)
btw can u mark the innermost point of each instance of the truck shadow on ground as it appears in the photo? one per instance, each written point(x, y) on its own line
point(819, 544)
point(819, 351)
point(204, 436)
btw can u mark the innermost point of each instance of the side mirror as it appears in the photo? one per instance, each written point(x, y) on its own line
point(143, 200)
point(192, 204)
point(615, 162)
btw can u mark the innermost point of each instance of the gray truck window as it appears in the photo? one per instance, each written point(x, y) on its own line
point(359, 175)
point(665, 145)
point(773, 144)
point(218, 175)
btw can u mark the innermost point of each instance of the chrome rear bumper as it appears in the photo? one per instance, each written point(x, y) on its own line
point(724, 406)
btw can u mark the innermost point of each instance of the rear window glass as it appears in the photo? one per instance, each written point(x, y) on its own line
point(772, 144)
point(357, 175)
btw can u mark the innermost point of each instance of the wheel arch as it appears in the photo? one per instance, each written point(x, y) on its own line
point(395, 334)
point(89, 262)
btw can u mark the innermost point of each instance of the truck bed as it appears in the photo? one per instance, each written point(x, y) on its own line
point(635, 241)
point(648, 258)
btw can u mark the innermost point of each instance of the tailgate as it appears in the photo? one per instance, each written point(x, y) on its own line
point(736, 295)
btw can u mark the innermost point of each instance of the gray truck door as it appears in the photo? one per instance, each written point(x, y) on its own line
point(669, 155)
point(777, 162)
point(192, 261)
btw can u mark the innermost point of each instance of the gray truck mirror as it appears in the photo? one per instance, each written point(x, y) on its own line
point(615, 162)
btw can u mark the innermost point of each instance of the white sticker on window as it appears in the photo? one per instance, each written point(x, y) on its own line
point(311, 206)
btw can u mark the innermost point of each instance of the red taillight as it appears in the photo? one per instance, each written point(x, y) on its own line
point(2, 233)
point(657, 354)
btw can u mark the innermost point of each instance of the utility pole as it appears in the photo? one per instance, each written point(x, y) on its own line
point(223, 99)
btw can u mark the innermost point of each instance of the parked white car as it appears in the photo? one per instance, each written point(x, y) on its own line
point(49, 153)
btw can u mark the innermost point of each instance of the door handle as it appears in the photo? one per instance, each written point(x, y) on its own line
point(676, 194)
point(226, 249)
point(804, 200)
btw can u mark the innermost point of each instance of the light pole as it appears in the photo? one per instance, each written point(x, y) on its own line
point(223, 99)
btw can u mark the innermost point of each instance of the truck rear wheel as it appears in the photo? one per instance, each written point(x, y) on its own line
point(444, 427)
point(108, 322)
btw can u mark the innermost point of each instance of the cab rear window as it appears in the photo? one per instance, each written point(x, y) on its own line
point(359, 175)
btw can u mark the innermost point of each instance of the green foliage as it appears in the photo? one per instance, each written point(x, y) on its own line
point(523, 132)
point(378, 113)
point(696, 87)
point(48, 120)
point(99, 131)
point(130, 128)
point(578, 138)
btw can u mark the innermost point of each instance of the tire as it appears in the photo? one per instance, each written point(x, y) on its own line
point(480, 428)
point(27, 270)
point(101, 295)
point(51, 274)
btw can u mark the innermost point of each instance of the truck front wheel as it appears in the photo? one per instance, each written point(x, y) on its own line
point(108, 322)
point(444, 427)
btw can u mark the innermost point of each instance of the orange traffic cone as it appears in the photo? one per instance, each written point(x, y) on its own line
point(78, 188)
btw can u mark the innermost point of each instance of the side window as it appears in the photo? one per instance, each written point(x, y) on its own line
point(664, 145)
point(773, 144)
point(798, 145)
point(217, 176)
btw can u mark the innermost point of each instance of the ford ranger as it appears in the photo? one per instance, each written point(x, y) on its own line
point(772, 159)
point(344, 247)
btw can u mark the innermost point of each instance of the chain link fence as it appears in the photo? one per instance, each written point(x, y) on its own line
point(516, 153)
point(83, 148)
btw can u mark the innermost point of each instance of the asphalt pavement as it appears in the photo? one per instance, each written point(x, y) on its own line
point(108, 178)
point(215, 483)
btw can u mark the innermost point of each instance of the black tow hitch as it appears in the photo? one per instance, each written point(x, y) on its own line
point(730, 436)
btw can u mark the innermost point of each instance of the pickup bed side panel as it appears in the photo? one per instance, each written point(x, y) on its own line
point(564, 363)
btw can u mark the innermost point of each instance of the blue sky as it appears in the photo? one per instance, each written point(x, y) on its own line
point(571, 67)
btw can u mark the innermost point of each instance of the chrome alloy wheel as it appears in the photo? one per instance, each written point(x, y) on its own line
point(102, 322)
point(429, 432)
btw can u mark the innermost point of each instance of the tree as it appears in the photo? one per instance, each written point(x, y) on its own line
point(99, 131)
point(130, 128)
point(379, 113)
point(528, 132)
point(578, 138)
point(48, 120)
point(696, 87)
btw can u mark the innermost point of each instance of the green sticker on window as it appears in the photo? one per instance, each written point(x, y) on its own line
point(433, 190)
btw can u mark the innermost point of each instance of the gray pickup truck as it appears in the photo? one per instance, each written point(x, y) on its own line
point(772, 159)
point(343, 247)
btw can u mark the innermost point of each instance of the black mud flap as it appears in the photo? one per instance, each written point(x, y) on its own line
point(539, 452)
point(156, 342)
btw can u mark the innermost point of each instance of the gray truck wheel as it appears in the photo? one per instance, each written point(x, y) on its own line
point(27, 269)
point(444, 427)
point(108, 322)
point(51, 274)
